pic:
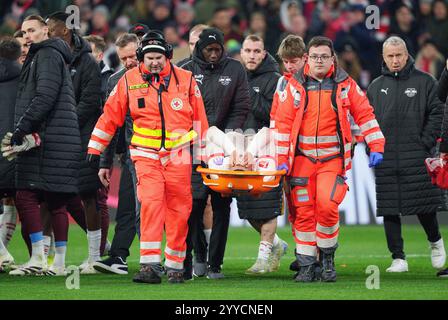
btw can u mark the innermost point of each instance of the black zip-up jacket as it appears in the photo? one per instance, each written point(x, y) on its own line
point(409, 113)
point(225, 91)
point(46, 104)
point(443, 93)
point(9, 79)
point(86, 77)
point(262, 85)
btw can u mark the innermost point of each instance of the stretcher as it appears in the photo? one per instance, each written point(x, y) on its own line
point(234, 183)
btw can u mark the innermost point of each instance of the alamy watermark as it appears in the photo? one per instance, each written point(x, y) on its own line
point(373, 280)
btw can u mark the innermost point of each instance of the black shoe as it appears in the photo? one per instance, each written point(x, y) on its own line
point(328, 273)
point(175, 277)
point(294, 266)
point(146, 275)
point(305, 274)
point(443, 273)
point(116, 265)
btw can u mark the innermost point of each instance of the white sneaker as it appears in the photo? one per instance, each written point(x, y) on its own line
point(6, 260)
point(438, 254)
point(398, 265)
point(33, 267)
point(89, 269)
point(277, 253)
point(84, 264)
point(56, 271)
point(260, 267)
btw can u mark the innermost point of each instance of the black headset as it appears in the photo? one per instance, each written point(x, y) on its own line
point(156, 37)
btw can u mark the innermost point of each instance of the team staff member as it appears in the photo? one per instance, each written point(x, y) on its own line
point(314, 140)
point(163, 101)
point(223, 84)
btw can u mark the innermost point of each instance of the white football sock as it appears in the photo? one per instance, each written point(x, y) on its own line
point(8, 223)
point(94, 240)
point(207, 233)
point(264, 250)
point(47, 242)
point(3, 250)
point(276, 240)
point(60, 249)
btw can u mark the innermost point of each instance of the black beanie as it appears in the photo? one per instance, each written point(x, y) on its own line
point(210, 36)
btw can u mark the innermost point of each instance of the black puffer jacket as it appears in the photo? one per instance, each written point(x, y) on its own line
point(224, 89)
point(410, 115)
point(122, 138)
point(443, 93)
point(86, 77)
point(46, 104)
point(262, 84)
point(9, 79)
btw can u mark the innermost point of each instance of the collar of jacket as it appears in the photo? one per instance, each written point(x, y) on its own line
point(80, 46)
point(163, 76)
point(404, 73)
point(56, 43)
point(199, 58)
point(339, 76)
point(268, 65)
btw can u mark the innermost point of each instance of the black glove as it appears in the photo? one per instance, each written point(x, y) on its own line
point(93, 160)
point(17, 137)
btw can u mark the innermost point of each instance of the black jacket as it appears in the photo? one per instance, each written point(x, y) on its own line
point(225, 91)
point(46, 104)
point(262, 85)
point(443, 93)
point(410, 115)
point(86, 77)
point(122, 138)
point(9, 79)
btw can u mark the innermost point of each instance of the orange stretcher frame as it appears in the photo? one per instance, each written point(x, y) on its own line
point(234, 183)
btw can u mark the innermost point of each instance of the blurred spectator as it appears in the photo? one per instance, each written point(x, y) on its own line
point(355, 31)
point(425, 12)
point(233, 48)
point(288, 9)
point(405, 26)
point(180, 46)
point(205, 9)
point(222, 20)
point(259, 26)
point(349, 61)
point(161, 15)
point(438, 25)
point(430, 60)
point(328, 18)
point(139, 30)
point(184, 16)
point(10, 25)
point(24, 46)
point(100, 21)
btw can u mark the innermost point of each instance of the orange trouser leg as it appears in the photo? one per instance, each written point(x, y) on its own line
point(151, 194)
point(303, 186)
point(179, 203)
point(330, 192)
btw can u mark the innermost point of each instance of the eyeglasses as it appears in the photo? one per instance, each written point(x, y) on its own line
point(323, 58)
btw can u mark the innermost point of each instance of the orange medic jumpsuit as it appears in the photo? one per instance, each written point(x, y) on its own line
point(168, 115)
point(314, 138)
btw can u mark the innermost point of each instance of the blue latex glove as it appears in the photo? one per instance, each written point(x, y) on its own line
point(375, 159)
point(283, 166)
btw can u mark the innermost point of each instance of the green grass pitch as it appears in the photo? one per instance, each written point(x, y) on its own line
point(360, 246)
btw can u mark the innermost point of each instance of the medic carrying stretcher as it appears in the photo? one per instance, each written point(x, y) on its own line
point(240, 164)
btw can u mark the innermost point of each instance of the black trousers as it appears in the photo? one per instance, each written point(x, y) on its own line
point(218, 237)
point(125, 228)
point(392, 227)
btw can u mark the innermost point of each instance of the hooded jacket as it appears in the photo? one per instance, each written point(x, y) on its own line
point(9, 79)
point(225, 92)
point(410, 115)
point(46, 104)
point(86, 77)
point(262, 85)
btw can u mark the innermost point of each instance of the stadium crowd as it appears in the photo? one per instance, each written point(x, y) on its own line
point(76, 97)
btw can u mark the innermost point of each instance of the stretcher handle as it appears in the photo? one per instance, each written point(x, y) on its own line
point(241, 173)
